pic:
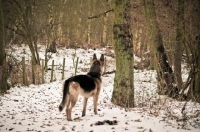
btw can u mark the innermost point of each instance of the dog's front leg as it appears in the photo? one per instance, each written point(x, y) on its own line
point(84, 106)
point(95, 99)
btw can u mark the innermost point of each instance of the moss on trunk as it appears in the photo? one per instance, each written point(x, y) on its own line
point(123, 94)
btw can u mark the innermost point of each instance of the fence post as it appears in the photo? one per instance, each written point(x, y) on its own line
point(33, 69)
point(76, 65)
point(90, 61)
point(63, 70)
point(23, 69)
point(52, 71)
point(43, 71)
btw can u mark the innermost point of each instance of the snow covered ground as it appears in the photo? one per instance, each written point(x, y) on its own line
point(35, 108)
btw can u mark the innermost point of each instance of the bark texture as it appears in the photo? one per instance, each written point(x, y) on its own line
point(179, 44)
point(3, 70)
point(123, 93)
point(196, 82)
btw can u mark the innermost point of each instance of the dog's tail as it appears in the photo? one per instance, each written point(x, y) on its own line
point(65, 92)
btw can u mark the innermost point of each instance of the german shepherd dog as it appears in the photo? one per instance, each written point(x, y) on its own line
point(88, 85)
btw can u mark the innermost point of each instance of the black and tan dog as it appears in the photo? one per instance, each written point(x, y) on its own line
point(88, 85)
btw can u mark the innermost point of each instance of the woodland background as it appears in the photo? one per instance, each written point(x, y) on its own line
point(89, 24)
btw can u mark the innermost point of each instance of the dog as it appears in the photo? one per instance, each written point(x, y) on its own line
point(88, 85)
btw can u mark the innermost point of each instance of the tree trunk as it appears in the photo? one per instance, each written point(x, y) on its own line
point(90, 4)
point(33, 48)
point(123, 93)
point(29, 31)
point(178, 46)
point(164, 71)
point(196, 82)
point(52, 47)
point(105, 18)
point(2, 41)
point(3, 71)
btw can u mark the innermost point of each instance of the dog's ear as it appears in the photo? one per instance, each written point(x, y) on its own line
point(94, 57)
point(102, 58)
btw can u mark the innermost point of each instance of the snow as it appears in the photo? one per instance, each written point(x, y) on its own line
point(35, 108)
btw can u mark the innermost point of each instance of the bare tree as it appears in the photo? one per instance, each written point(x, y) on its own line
point(179, 44)
point(195, 85)
point(3, 71)
point(123, 93)
point(25, 24)
point(164, 71)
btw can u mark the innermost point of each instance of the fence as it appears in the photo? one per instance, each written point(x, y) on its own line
point(30, 74)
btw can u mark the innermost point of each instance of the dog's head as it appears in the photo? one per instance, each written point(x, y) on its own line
point(97, 64)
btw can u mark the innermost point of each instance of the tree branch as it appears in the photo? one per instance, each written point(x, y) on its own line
point(104, 13)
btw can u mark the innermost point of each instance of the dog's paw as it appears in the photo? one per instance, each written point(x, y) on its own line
point(69, 119)
point(60, 108)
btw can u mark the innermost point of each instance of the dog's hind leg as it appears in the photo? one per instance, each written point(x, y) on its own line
point(73, 100)
point(68, 101)
point(84, 106)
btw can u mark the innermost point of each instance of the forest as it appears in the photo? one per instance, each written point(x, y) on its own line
point(163, 34)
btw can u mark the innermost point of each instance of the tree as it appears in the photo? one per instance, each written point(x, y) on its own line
point(123, 93)
point(23, 21)
point(54, 14)
point(164, 71)
point(3, 71)
point(195, 86)
point(178, 45)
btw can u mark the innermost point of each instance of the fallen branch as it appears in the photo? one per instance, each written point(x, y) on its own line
point(104, 13)
point(109, 72)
